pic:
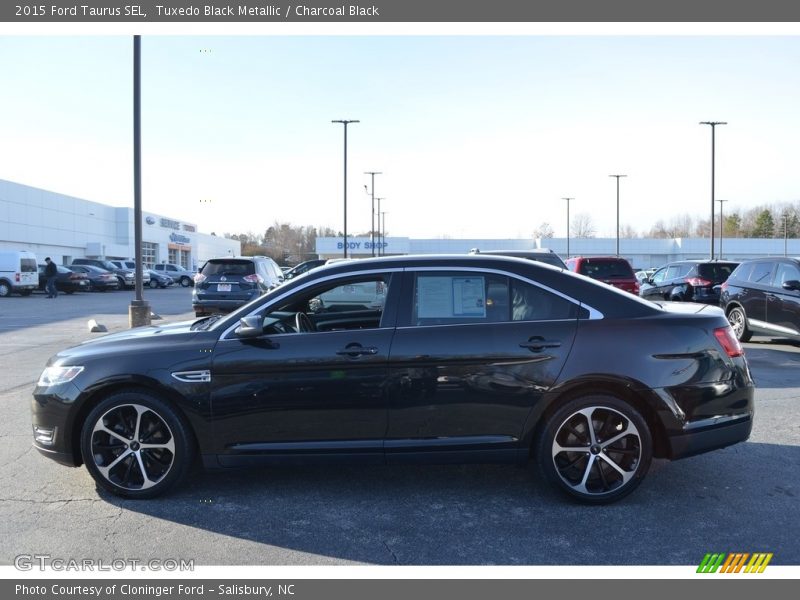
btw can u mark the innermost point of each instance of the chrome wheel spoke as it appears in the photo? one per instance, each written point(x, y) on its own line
point(114, 463)
point(616, 438)
point(100, 427)
point(626, 475)
point(147, 482)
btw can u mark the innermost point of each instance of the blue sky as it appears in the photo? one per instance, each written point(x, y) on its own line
point(477, 136)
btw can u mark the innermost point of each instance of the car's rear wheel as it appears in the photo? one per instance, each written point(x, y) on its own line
point(153, 284)
point(136, 445)
point(5, 289)
point(738, 322)
point(596, 449)
point(185, 282)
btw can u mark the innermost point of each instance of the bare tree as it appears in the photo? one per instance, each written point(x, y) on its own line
point(627, 232)
point(582, 226)
point(545, 231)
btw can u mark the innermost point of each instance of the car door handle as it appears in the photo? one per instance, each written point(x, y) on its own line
point(355, 350)
point(537, 344)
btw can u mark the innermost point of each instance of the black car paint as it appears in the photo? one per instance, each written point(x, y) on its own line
point(680, 287)
point(437, 393)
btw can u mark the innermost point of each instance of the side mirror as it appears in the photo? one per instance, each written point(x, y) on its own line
point(791, 284)
point(250, 327)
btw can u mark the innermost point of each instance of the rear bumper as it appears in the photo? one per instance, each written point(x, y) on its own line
point(702, 437)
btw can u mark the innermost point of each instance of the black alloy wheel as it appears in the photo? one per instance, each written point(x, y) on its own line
point(134, 444)
point(738, 321)
point(596, 449)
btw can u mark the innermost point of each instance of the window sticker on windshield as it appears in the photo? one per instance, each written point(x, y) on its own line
point(449, 297)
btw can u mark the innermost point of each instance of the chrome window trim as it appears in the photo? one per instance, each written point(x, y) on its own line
point(347, 275)
point(594, 314)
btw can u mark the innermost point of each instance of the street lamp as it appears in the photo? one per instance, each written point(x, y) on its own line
point(568, 199)
point(379, 223)
point(345, 122)
point(721, 227)
point(785, 233)
point(713, 131)
point(617, 176)
point(382, 221)
point(372, 227)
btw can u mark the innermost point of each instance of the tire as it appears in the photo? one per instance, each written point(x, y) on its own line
point(153, 284)
point(117, 463)
point(598, 471)
point(738, 322)
point(185, 282)
point(5, 289)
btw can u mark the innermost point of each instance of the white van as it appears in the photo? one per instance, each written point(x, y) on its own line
point(19, 273)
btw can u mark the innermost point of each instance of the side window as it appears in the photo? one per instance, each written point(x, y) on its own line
point(673, 272)
point(761, 273)
point(786, 272)
point(658, 276)
point(355, 303)
point(684, 270)
point(459, 297)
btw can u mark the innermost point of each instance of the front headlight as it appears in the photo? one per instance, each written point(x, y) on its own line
point(56, 375)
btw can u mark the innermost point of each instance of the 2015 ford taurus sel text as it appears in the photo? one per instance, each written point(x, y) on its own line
point(454, 358)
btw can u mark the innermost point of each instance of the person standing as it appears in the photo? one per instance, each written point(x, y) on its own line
point(51, 273)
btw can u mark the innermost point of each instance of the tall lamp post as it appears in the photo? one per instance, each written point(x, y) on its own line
point(379, 224)
point(617, 176)
point(383, 228)
point(721, 227)
point(785, 233)
point(345, 122)
point(372, 192)
point(568, 200)
point(713, 135)
point(139, 310)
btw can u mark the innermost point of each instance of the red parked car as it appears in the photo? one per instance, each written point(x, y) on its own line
point(612, 270)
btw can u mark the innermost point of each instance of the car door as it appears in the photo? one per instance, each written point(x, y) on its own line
point(473, 352)
point(754, 294)
point(653, 289)
point(783, 305)
point(303, 393)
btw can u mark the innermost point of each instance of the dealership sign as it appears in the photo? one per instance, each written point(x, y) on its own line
point(362, 245)
point(179, 239)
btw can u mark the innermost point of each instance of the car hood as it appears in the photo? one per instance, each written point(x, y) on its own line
point(148, 332)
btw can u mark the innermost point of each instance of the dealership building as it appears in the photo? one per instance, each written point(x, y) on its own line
point(65, 228)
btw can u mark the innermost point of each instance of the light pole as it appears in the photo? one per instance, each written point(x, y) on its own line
point(383, 228)
point(568, 199)
point(345, 122)
point(785, 233)
point(617, 176)
point(713, 136)
point(379, 223)
point(372, 191)
point(721, 227)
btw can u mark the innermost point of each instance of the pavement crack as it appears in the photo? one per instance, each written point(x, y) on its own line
point(394, 556)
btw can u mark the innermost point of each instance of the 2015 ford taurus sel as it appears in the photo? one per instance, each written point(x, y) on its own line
point(455, 358)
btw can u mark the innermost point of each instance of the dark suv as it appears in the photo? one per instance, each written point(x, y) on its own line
point(688, 281)
point(612, 270)
point(763, 296)
point(224, 284)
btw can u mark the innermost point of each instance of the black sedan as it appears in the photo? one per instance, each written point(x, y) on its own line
point(467, 358)
point(99, 279)
point(67, 281)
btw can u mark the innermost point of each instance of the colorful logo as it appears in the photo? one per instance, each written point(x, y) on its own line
point(735, 562)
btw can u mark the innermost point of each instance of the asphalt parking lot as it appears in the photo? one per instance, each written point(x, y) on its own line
point(744, 498)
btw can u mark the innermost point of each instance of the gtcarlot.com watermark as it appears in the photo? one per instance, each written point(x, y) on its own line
point(46, 562)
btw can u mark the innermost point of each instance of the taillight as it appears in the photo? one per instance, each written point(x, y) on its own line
point(636, 287)
point(254, 278)
point(724, 286)
point(728, 341)
point(199, 278)
point(17, 277)
point(698, 281)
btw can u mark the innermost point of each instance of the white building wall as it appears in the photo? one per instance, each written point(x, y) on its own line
point(64, 228)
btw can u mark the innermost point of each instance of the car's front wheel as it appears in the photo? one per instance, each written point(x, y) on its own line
point(596, 449)
point(185, 282)
point(738, 322)
point(136, 445)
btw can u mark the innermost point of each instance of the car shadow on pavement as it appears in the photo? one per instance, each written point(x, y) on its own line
point(736, 499)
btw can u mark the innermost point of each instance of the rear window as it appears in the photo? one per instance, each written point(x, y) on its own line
point(717, 272)
point(606, 269)
point(229, 268)
point(28, 265)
